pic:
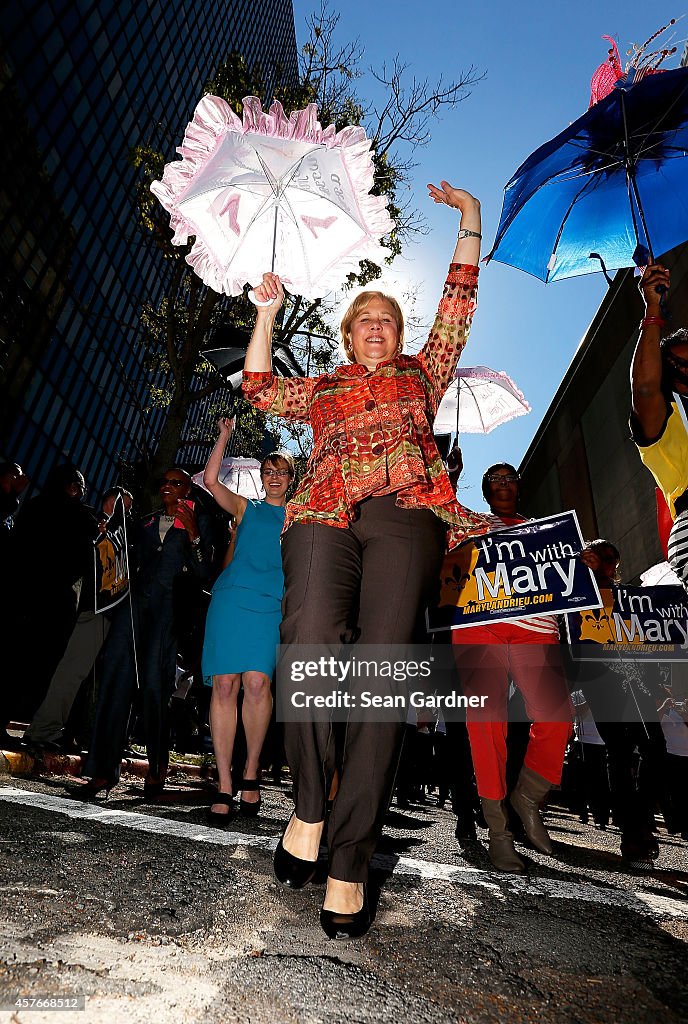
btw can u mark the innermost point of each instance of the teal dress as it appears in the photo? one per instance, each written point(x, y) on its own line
point(242, 627)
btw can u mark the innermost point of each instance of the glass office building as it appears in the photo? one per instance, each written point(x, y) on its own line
point(83, 81)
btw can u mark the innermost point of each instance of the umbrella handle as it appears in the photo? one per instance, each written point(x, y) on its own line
point(257, 302)
point(233, 435)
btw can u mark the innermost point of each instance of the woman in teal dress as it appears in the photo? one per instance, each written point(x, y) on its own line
point(242, 627)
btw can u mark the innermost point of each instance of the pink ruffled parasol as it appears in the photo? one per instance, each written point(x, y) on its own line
point(273, 191)
point(479, 400)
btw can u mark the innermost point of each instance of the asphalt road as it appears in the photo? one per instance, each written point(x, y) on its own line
point(155, 917)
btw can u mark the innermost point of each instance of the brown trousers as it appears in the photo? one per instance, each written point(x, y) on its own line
point(369, 582)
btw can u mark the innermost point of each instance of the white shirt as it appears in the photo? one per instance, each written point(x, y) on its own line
point(675, 733)
point(164, 524)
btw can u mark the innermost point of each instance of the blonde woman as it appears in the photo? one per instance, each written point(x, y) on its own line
point(363, 542)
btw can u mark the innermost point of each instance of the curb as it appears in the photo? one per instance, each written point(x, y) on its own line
point(22, 763)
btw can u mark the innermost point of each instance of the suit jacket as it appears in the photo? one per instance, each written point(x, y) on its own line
point(159, 563)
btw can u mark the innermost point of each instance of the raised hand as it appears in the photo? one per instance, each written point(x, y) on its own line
point(225, 427)
point(455, 460)
point(591, 559)
point(270, 290)
point(187, 517)
point(468, 243)
point(653, 277)
point(457, 198)
point(454, 465)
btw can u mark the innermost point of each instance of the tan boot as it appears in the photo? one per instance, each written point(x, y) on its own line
point(501, 849)
point(529, 792)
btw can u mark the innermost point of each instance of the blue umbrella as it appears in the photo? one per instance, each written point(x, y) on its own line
point(613, 184)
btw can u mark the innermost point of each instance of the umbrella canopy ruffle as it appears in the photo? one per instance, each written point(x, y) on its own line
point(212, 122)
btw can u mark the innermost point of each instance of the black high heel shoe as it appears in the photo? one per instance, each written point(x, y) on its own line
point(250, 810)
point(215, 817)
point(347, 926)
point(291, 870)
point(152, 791)
point(94, 789)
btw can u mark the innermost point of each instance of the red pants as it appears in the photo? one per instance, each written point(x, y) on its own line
point(486, 659)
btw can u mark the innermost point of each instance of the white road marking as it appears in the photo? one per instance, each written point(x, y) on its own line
point(501, 886)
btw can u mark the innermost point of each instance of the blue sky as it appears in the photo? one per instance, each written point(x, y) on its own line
point(539, 59)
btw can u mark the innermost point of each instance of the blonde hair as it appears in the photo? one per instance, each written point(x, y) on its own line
point(359, 303)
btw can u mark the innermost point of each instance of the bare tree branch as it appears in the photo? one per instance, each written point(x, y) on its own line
point(287, 327)
point(209, 389)
point(284, 338)
point(411, 105)
point(329, 69)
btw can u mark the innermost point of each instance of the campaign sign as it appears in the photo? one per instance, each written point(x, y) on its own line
point(111, 561)
point(532, 568)
point(644, 622)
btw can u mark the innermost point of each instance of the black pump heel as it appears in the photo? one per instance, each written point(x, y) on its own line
point(250, 810)
point(215, 817)
point(290, 870)
point(94, 789)
point(346, 926)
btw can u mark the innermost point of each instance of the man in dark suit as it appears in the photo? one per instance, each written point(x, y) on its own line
point(168, 546)
point(47, 729)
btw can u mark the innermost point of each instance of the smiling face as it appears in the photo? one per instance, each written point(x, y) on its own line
point(276, 476)
point(174, 486)
point(373, 334)
point(501, 490)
